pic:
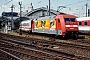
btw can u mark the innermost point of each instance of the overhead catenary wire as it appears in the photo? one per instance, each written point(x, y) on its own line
point(77, 2)
point(5, 3)
point(8, 2)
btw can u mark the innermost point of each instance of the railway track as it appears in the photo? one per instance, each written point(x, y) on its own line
point(49, 46)
point(7, 56)
point(45, 37)
point(80, 43)
point(26, 53)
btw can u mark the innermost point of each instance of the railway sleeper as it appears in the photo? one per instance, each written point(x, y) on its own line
point(82, 57)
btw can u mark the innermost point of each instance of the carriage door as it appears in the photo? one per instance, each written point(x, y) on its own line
point(58, 26)
point(32, 24)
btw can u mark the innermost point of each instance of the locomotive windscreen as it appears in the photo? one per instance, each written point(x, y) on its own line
point(70, 19)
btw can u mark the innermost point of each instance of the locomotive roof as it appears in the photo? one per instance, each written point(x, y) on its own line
point(83, 18)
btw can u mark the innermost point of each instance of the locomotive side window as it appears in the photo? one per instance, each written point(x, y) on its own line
point(80, 23)
point(85, 23)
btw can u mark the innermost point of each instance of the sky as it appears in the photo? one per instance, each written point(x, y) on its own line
point(76, 7)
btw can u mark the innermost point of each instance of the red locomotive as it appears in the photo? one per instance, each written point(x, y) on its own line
point(61, 25)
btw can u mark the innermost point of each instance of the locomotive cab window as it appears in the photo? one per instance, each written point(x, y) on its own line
point(80, 23)
point(85, 23)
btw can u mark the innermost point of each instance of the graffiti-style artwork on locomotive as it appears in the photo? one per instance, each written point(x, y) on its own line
point(45, 25)
point(53, 25)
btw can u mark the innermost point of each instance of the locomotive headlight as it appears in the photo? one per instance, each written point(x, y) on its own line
point(71, 28)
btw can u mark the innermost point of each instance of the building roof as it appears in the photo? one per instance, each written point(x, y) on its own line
point(3, 18)
point(45, 9)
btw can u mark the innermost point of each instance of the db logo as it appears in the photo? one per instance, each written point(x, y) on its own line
point(71, 25)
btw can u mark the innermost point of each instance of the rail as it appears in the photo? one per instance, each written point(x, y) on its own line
point(10, 56)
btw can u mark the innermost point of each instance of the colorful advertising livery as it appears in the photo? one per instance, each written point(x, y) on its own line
point(61, 25)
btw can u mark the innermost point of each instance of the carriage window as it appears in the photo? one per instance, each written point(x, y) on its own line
point(26, 24)
point(85, 23)
point(80, 23)
point(20, 24)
